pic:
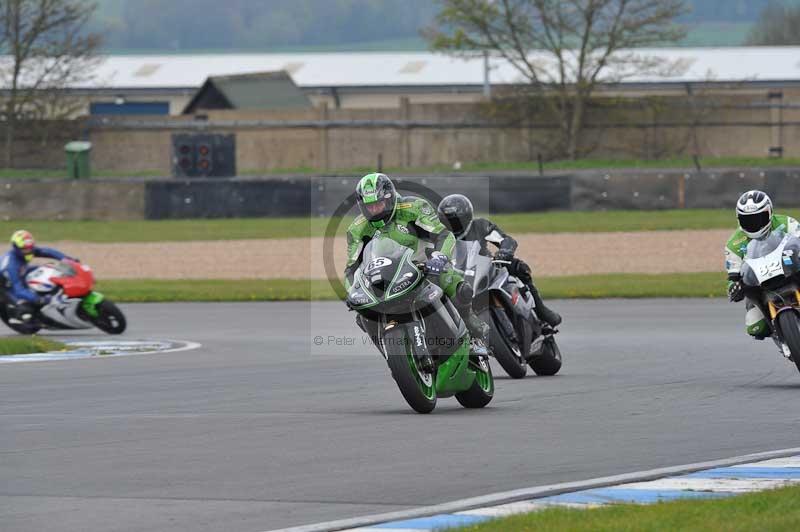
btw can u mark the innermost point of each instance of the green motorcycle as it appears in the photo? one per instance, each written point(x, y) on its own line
point(417, 330)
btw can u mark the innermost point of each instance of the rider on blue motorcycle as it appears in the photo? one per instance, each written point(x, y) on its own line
point(15, 265)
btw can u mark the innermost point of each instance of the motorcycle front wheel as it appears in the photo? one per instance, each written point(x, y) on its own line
point(110, 318)
point(506, 352)
point(789, 324)
point(417, 385)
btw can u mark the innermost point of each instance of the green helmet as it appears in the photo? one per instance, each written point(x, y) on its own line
point(377, 198)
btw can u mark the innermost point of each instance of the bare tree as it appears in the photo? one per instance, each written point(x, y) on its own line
point(47, 49)
point(563, 48)
point(777, 25)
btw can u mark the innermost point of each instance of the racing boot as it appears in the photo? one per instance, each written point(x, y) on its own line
point(478, 330)
point(782, 347)
point(550, 317)
point(522, 271)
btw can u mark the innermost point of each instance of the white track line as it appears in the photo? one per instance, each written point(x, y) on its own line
point(526, 494)
point(83, 355)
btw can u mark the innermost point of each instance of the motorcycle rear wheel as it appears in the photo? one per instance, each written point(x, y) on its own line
point(481, 392)
point(110, 318)
point(21, 328)
point(789, 323)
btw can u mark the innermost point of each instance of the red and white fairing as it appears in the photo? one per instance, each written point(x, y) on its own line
point(68, 282)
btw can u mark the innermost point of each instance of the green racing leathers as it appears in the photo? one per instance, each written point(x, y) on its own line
point(416, 225)
point(735, 250)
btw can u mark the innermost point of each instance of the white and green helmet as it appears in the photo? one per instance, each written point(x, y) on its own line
point(754, 211)
point(377, 198)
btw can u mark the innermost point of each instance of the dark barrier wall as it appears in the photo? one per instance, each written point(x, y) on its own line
point(488, 194)
point(230, 198)
point(323, 196)
point(214, 198)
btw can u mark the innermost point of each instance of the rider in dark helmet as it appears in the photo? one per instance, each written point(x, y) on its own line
point(456, 212)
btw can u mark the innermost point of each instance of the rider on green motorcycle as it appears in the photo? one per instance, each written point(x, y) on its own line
point(411, 222)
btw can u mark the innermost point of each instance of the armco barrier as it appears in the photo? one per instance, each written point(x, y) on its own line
point(321, 196)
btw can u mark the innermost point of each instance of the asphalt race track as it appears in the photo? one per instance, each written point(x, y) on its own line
point(261, 429)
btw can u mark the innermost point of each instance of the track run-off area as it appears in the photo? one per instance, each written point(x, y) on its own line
point(261, 428)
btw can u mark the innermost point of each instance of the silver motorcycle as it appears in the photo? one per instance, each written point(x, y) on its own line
point(518, 339)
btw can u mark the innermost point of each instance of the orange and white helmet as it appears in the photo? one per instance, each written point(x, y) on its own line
point(24, 243)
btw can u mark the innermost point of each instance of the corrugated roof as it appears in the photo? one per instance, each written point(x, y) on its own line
point(410, 69)
point(264, 90)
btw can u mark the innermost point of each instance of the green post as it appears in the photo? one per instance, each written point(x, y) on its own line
point(78, 159)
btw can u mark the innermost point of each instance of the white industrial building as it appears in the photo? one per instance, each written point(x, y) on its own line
point(165, 84)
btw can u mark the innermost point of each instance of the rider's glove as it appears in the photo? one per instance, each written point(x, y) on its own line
point(45, 300)
point(437, 264)
point(735, 290)
point(504, 255)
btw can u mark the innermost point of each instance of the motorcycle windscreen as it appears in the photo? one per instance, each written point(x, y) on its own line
point(765, 259)
point(461, 253)
point(386, 271)
point(764, 246)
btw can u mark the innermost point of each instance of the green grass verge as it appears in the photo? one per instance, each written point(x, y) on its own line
point(765, 511)
point(256, 228)
point(216, 290)
point(550, 166)
point(25, 345)
point(580, 287)
point(488, 166)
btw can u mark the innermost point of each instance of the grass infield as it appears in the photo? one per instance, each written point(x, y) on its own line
point(25, 345)
point(570, 287)
point(765, 511)
point(262, 228)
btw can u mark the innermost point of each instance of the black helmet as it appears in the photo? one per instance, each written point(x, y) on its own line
point(377, 198)
point(455, 212)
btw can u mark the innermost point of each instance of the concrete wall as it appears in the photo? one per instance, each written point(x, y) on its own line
point(59, 199)
point(38, 145)
point(442, 134)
